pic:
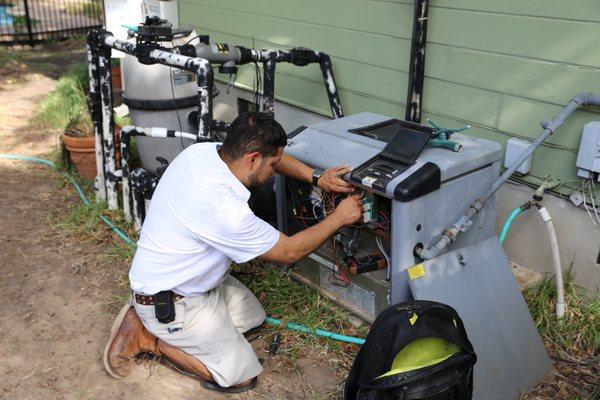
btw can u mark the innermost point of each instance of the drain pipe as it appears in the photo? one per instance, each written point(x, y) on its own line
point(108, 125)
point(416, 70)
point(464, 221)
point(560, 289)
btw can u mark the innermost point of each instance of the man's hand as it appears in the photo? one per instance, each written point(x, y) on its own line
point(290, 249)
point(349, 211)
point(331, 180)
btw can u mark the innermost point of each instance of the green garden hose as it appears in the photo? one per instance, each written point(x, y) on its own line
point(506, 227)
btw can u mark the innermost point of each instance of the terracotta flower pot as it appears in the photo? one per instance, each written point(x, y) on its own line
point(82, 151)
point(116, 77)
point(117, 85)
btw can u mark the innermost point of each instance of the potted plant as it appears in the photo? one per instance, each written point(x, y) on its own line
point(66, 110)
point(78, 139)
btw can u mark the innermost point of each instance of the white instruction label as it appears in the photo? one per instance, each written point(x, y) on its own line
point(181, 77)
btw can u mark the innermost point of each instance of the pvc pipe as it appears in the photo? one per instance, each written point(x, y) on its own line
point(201, 67)
point(506, 227)
point(95, 100)
point(385, 255)
point(464, 221)
point(317, 332)
point(330, 86)
point(273, 321)
point(560, 290)
point(108, 129)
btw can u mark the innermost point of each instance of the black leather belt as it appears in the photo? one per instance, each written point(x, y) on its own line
point(149, 300)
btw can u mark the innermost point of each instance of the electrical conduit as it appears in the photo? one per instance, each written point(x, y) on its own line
point(273, 321)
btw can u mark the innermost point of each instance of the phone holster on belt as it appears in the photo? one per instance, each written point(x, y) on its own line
point(164, 306)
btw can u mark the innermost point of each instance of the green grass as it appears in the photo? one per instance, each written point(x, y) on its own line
point(66, 106)
point(579, 332)
point(290, 301)
point(573, 342)
point(91, 9)
point(85, 221)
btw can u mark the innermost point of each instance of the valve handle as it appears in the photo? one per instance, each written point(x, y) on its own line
point(445, 133)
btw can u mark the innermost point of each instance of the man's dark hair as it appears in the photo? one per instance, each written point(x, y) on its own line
point(253, 131)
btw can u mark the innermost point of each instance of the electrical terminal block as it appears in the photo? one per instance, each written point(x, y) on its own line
point(368, 209)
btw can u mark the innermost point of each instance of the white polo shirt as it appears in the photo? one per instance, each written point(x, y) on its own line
point(197, 223)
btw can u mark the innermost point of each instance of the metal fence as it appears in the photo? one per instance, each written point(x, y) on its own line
point(33, 21)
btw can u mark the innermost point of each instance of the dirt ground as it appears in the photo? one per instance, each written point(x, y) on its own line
point(57, 289)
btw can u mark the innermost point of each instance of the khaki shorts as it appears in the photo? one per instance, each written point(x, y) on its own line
point(210, 327)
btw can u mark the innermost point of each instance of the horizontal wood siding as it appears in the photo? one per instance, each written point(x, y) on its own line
point(500, 66)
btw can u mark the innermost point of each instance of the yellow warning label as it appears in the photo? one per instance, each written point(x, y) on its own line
point(222, 47)
point(413, 319)
point(416, 271)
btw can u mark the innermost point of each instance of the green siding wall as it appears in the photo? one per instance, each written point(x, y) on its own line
point(500, 66)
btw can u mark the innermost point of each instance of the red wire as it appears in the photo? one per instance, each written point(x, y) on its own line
point(387, 220)
point(302, 216)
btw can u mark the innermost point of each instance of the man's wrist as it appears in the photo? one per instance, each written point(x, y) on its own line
point(316, 175)
point(336, 219)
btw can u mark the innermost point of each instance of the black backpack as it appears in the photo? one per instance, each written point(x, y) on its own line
point(417, 350)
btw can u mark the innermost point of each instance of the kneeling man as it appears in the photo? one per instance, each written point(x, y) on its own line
point(185, 305)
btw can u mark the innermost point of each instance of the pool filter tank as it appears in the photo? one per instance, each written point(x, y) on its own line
point(161, 96)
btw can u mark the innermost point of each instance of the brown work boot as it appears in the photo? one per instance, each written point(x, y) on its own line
point(183, 360)
point(128, 338)
point(190, 364)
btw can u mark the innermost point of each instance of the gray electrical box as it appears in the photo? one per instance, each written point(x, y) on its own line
point(588, 157)
point(412, 203)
